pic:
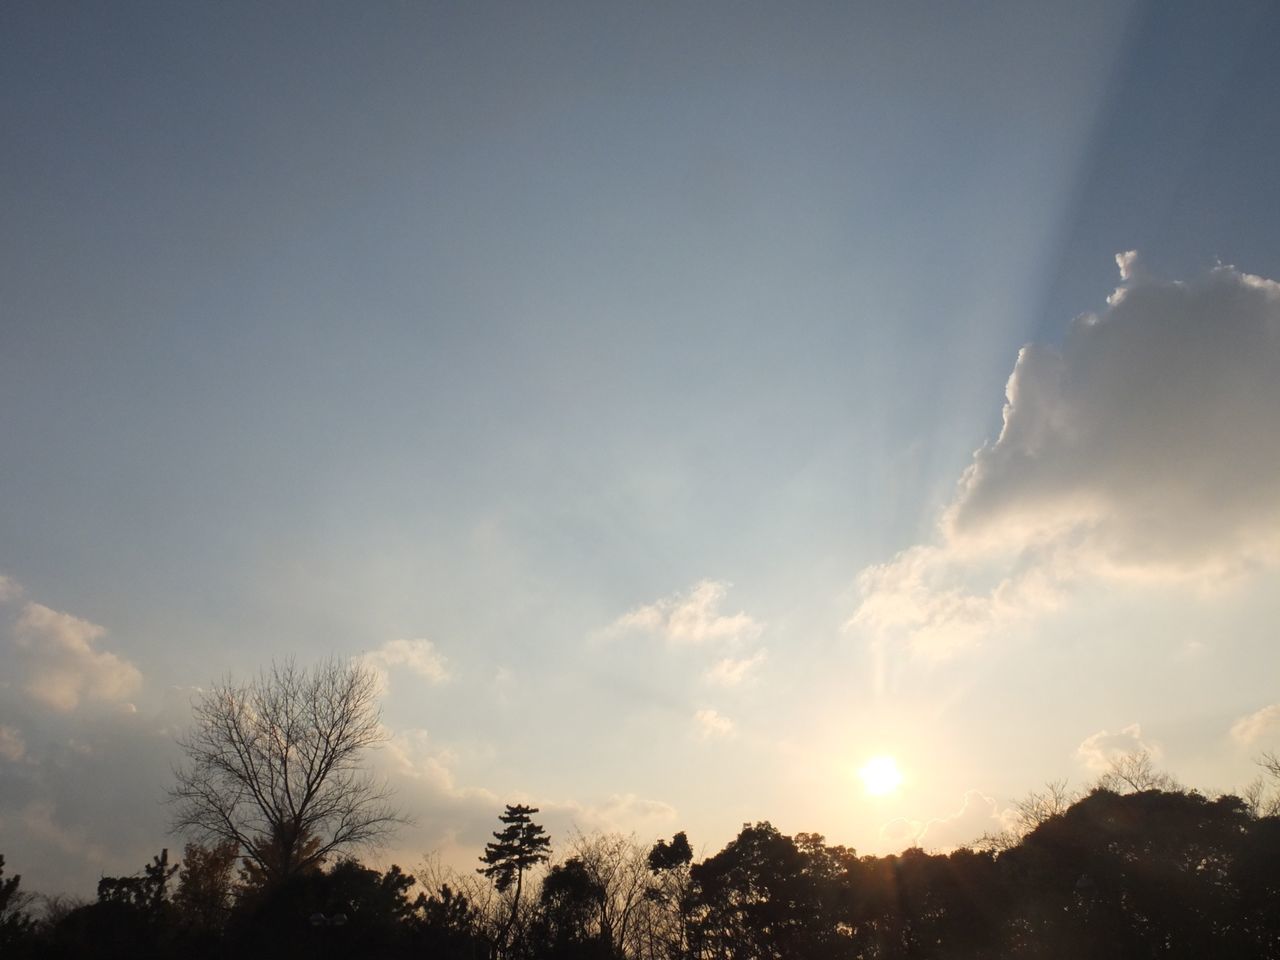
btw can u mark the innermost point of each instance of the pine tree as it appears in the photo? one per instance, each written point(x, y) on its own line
point(518, 847)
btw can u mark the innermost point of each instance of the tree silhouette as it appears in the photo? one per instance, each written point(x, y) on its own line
point(668, 923)
point(205, 884)
point(275, 766)
point(15, 922)
point(517, 848)
point(147, 893)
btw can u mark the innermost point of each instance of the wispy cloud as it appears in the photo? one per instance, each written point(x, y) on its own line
point(979, 814)
point(1256, 726)
point(12, 745)
point(690, 618)
point(712, 725)
point(1101, 750)
point(734, 671)
point(418, 657)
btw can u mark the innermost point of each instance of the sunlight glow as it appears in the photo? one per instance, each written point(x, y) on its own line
point(880, 776)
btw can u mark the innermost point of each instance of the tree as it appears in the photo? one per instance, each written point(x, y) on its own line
point(761, 898)
point(572, 902)
point(518, 847)
point(147, 893)
point(445, 924)
point(1035, 808)
point(618, 869)
point(667, 922)
point(275, 766)
point(15, 921)
point(1135, 772)
point(205, 886)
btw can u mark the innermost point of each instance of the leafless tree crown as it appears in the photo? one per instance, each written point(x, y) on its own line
point(275, 766)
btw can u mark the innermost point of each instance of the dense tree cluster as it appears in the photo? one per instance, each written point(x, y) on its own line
point(1147, 873)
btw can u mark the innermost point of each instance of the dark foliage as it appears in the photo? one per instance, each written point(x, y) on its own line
point(1149, 874)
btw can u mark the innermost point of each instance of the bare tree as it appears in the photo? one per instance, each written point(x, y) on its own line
point(1028, 813)
point(1263, 795)
point(1135, 772)
point(618, 866)
point(275, 766)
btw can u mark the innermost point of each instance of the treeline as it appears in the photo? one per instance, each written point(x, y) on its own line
point(1144, 873)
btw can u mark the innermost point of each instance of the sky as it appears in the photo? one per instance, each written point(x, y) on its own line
point(679, 405)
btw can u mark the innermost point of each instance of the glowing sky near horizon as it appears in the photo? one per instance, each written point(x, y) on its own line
point(627, 384)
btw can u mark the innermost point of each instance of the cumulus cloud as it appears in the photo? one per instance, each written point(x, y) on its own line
point(734, 671)
point(1144, 447)
point(1137, 425)
point(418, 657)
point(1257, 726)
point(58, 662)
point(1100, 751)
point(690, 618)
point(9, 589)
point(712, 725)
point(1127, 263)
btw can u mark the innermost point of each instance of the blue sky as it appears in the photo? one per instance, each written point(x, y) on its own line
point(512, 331)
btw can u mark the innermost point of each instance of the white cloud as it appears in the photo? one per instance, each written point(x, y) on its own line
point(1101, 750)
point(712, 725)
point(56, 657)
point(9, 589)
point(1144, 447)
point(418, 656)
point(733, 671)
point(12, 747)
point(1257, 725)
point(690, 618)
point(1127, 263)
point(944, 599)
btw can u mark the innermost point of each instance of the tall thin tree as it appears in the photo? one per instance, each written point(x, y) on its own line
point(518, 847)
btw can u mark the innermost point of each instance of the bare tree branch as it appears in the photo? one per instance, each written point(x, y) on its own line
point(274, 766)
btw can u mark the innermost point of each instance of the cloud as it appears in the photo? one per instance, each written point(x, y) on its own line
point(617, 813)
point(712, 725)
point(1257, 725)
point(58, 664)
point(1100, 751)
point(1132, 430)
point(1142, 448)
point(978, 815)
point(732, 672)
point(1127, 263)
point(9, 589)
point(690, 618)
point(944, 599)
point(12, 747)
point(85, 797)
point(416, 656)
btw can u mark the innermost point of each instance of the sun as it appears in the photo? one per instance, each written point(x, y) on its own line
point(880, 776)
